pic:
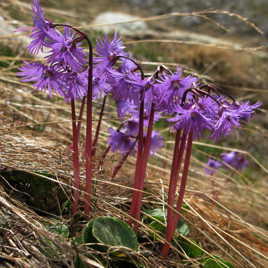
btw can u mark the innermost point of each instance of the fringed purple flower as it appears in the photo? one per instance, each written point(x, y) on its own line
point(43, 33)
point(108, 51)
point(156, 143)
point(44, 77)
point(65, 51)
point(190, 118)
point(174, 86)
point(230, 115)
point(120, 142)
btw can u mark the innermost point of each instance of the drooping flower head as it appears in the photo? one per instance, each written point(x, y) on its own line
point(66, 52)
point(108, 51)
point(230, 115)
point(44, 77)
point(120, 142)
point(74, 85)
point(191, 118)
point(47, 78)
point(174, 85)
point(156, 143)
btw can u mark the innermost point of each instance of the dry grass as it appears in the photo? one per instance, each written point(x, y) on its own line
point(224, 214)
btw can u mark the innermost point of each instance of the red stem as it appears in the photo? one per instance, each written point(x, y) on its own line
point(175, 219)
point(140, 144)
point(139, 180)
point(95, 142)
point(174, 177)
point(76, 164)
point(79, 121)
point(88, 144)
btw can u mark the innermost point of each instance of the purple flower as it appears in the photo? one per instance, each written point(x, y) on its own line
point(44, 77)
point(235, 160)
point(127, 66)
point(174, 86)
point(191, 119)
point(123, 86)
point(74, 85)
point(125, 108)
point(228, 119)
point(101, 86)
point(108, 51)
point(69, 85)
point(211, 166)
point(132, 128)
point(156, 143)
point(230, 115)
point(42, 33)
point(119, 141)
point(125, 140)
point(245, 109)
point(65, 51)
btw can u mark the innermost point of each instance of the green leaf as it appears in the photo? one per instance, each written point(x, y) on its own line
point(157, 226)
point(87, 233)
point(157, 213)
point(110, 231)
point(191, 248)
point(156, 220)
point(183, 228)
point(60, 229)
point(216, 262)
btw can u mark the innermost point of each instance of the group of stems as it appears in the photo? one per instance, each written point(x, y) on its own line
point(182, 154)
point(141, 163)
point(76, 127)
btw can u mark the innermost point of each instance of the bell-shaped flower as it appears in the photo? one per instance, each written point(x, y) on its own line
point(65, 51)
point(190, 118)
point(45, 78)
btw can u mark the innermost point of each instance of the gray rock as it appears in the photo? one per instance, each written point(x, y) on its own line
point(119, 22)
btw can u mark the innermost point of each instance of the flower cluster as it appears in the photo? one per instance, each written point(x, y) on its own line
point(191, 105)
point(64, 71)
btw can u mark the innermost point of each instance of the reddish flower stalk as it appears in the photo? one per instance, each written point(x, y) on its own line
point(79, 121)
point(174, 220)
point(174, 176)
point(88, 143)
point(95, 142)
point(76, 164)
point(141, 172)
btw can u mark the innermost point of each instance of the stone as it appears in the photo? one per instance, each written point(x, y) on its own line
point(119, 22)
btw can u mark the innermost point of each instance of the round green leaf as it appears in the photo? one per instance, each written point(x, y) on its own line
point(87, 233)
point(112, 231)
